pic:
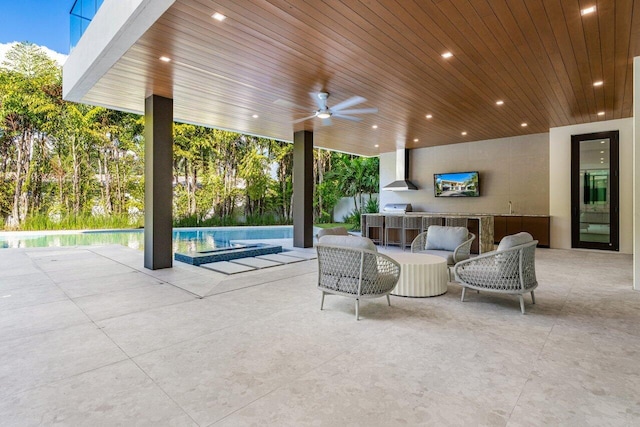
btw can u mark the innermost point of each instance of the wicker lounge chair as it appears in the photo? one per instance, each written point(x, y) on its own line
point(451, 243)
point(509, 270)
point(352, 267)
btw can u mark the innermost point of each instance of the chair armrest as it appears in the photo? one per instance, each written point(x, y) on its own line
point(482, 270)
point(388, 275)
point(419, 242)
point(463, 251)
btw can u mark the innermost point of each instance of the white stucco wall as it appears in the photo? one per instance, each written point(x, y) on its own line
point(560, 180)
point(345, 206)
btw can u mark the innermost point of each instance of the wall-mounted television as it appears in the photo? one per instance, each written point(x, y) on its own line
point(456, 184)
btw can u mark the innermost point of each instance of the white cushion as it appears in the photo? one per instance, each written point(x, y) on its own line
point(335, 231)
point(348, 242)
point(518, 239)
point(445, 238)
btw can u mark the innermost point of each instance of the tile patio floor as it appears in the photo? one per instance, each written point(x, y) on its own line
point(88, 337)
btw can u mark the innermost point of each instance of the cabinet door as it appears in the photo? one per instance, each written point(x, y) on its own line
point(499, 228)
point(538, 227)
point(514, 224)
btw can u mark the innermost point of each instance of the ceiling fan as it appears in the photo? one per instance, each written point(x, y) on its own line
point(339, 110)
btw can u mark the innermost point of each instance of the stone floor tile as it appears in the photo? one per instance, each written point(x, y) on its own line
point(118, 394)
point(32, 320)
point(15, 298)
point(119, 303)
point(40, 359)
point(115, 282)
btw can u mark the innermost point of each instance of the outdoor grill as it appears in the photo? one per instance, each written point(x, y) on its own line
point(397, 208)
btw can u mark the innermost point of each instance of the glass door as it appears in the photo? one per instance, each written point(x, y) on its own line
point(594, 191)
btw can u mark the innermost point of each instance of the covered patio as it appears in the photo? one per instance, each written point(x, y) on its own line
point(108, 335)
point(89, 336)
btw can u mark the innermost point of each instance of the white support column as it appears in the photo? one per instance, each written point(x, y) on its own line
point(636, 173)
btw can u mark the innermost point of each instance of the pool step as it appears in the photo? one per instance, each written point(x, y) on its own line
point(256, 262)
point(299, 254)
point(227, 267)
point(280, 258)
point(242, 265)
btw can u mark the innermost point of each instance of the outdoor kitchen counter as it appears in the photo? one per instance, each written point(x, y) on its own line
point(480, 225)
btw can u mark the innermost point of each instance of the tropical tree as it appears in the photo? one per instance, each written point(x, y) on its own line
point(61, 162)
point(29, 84)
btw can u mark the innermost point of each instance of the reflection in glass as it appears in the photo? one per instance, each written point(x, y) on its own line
point(595, 202)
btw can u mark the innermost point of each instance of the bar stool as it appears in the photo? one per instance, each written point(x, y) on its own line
point(374, 223)
point(410, 223)
point(393, 222)
point(455, 222)
point(430, 220)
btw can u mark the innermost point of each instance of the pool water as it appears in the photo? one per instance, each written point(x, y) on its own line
point(184, 239)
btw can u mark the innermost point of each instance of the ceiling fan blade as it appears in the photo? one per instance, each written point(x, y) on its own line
point(353, 119)
point(360, 111)
point(321, 103)
point(303, 119)
point(348, 103)
point(327, 122)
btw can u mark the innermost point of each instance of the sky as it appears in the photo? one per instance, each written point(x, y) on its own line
point(42, 22)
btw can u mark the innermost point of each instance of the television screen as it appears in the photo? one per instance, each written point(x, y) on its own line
point(457, 184)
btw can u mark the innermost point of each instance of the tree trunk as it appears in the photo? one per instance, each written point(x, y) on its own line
point(76, 177)
point(22, 165)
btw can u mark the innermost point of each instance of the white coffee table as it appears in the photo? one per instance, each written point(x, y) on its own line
point(421, 275)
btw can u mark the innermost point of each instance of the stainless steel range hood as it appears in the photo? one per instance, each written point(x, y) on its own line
point(402, 182)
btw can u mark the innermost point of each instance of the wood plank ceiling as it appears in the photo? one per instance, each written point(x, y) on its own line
point(540, 57)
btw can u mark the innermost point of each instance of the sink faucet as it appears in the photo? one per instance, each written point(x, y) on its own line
point(510, 208)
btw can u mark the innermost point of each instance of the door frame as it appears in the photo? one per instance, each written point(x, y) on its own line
point(614, 177)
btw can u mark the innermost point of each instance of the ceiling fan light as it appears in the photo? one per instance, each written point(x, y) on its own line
point(324, 114)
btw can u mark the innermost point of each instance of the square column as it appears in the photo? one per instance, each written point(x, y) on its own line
point(158, 182)
point(636, 173)
point(303, 189)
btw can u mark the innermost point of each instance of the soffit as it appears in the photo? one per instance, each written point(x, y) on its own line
point(540, 57)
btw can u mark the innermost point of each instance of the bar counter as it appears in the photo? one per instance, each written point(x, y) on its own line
point(480, 225)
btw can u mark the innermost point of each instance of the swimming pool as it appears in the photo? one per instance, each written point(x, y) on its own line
point(184, 239)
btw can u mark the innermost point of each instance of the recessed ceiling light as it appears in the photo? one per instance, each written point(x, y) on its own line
point(499, 102)
point(429, 116)
point(165, 59)
point(376, 146)
point(588, 10)
point(416, 140)
point(601, 158)
point(524, 125)
point(598, 83)
point(601, 161)
point(447, 55)
point(255, 116)
point(602, 142)
point(602, 152)
point(601, 113)
point(463, 133)
point(375, 126)
point(218, 16)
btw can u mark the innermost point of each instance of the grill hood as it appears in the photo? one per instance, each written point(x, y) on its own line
point(402, 182)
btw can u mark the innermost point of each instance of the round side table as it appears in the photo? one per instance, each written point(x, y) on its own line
point(421, 275)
